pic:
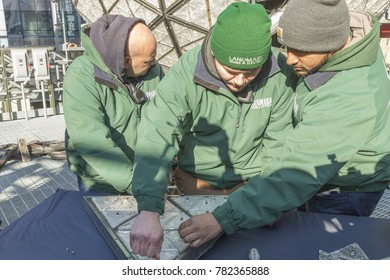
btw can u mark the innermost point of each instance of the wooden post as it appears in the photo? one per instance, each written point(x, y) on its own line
point(23, 149)
point(7, 153)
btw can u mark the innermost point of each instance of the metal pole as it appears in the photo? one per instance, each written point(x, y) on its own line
point(24, 102)
point(44, 100)
point(8, 106)
point(64, 29)
point(52, 96)
point(54, 7)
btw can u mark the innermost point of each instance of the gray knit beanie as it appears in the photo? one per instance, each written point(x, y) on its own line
point(314, 25)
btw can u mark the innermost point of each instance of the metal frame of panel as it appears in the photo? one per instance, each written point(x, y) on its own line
point(114, 215)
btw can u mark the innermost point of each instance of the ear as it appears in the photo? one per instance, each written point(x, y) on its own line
point(127, 62)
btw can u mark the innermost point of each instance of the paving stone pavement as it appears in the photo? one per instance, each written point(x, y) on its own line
point(23, 185)
point(40, 128)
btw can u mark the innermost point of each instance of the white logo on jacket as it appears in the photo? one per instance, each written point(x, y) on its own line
point(261, 103)
point(295, 106)
point(150, 94)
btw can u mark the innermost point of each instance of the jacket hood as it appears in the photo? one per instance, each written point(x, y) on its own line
point(109, 35)
point(363, 48)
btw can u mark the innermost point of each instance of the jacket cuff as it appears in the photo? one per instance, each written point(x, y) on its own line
point(225, 219)
point(150, 203)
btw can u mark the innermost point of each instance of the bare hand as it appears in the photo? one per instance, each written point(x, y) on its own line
point(147, 235)
point(199, 229)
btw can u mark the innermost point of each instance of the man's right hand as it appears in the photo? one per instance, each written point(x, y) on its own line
point(147, 235)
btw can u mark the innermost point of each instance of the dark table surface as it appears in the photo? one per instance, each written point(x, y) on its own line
point(59, 228)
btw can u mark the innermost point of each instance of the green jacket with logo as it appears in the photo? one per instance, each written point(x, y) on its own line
point(215, 137)
point(101, 118)
point(340, 141)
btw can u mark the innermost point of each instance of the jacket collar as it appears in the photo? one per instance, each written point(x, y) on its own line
point(104, 78)
point(318, 79)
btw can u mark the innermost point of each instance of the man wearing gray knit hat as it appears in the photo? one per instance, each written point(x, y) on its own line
point(337, 158)
point(323, 27)
point(318, 26)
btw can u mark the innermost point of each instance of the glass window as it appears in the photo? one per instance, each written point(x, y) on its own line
point(37, 28)
point(14, 22)
point(26, 5)
point(30, 22)
point(42, 5)
point(10, 5)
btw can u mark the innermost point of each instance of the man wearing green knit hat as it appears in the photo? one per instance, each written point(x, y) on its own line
point(237, 48)
point(222, 110)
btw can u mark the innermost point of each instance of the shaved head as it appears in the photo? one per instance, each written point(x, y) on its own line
point(141, 50)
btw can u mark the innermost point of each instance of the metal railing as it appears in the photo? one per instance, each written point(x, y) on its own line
point(33, 96)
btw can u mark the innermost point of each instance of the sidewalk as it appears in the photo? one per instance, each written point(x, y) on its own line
point(40, 128)
point(23, 185)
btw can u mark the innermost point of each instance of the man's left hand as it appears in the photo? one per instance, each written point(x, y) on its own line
point(199, 229)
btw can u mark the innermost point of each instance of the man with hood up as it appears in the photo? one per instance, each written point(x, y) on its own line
point(104, 91)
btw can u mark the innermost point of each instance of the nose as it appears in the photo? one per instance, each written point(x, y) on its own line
point(291, 58)
point(240, 80)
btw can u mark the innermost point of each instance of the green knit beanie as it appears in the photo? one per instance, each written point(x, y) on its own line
point(241, 37)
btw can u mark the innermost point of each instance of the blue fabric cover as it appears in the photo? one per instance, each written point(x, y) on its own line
point(59, 228)
point(300, 236)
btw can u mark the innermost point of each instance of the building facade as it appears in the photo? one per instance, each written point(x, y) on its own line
point(30, 23)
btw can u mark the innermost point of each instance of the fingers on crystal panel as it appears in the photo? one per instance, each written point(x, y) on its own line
point(116, 210)
point(195, 205)
point(116, 215)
